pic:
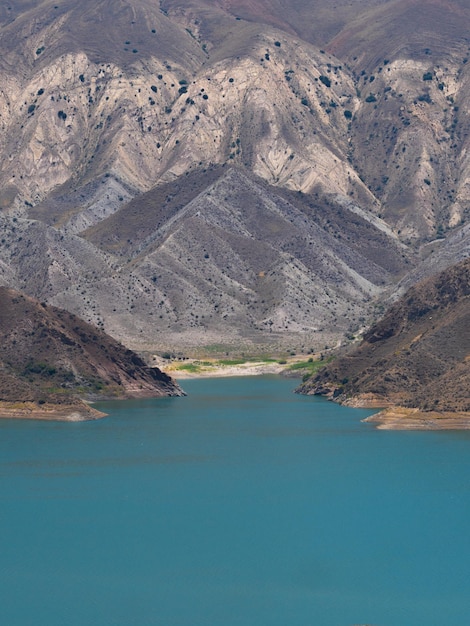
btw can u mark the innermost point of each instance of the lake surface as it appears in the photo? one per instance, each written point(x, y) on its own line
point(240, 505)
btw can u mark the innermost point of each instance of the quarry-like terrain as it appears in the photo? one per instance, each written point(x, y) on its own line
point(232, 176)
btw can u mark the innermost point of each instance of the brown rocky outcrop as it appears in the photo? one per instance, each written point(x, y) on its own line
point(416, 357)
point(50, 360)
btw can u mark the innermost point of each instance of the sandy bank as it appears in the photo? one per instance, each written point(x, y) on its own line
point(400, 418)
point(220, 371)
point(53, 412)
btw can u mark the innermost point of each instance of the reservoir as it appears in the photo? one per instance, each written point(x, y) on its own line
point(241, 504)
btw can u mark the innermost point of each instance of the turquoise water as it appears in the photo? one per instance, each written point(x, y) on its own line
point(240, 505)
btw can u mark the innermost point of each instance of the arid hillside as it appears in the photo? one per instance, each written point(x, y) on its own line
point(191, 173)
point(225, 259)
point(417, 356)
point(48, 355)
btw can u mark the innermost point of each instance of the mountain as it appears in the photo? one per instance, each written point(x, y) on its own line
point(138, 137)
point(227, 260)
point(50, 360)
point(417, 356)
point(374, 115)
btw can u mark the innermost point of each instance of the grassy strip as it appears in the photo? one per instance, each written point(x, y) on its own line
point(189, 367)
point(195, 366)
point(309, 367)
point(230, 362)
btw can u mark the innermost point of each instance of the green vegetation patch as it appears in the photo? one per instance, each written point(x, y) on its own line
point(189, 367)
point(194, 367)
point(43, 369)
point(243, 360)
point(310, 367)
point(230, 362)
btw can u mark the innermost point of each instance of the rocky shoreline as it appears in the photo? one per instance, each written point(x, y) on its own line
point(401, 418)
point(78, 412)
point(392, 416)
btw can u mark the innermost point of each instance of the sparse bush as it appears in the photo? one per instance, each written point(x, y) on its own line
point(427, 76)
point(43, 369)
point(325, 80)
point(425, 97)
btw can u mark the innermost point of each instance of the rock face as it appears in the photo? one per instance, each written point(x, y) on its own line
point(50, 357)
point(138, 137)
point(417, 356)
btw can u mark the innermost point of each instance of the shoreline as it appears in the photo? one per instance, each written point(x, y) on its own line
point(226, 371)
point(293, 366)
point(392, 416)
point(401, 418)
point(49, 412)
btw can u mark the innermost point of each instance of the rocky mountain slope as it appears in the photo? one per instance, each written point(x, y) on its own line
point(166, 89)
point(49, 356)
point(291, 145)
point(238, 264)
point(417, 356)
